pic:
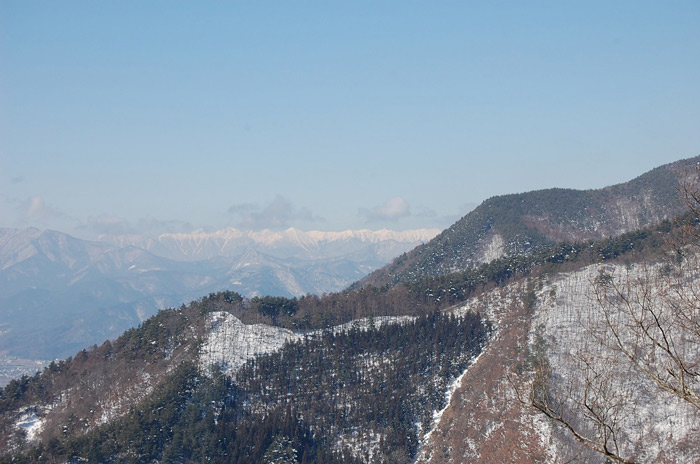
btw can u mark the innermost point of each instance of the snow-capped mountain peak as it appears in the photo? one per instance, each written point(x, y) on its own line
point(230, 242)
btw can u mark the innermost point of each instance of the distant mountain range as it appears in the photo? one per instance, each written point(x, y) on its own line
point(289, 243)
point(59, 293)
point(519, 224)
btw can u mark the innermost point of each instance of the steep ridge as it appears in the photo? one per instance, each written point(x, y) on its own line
point(522, 223)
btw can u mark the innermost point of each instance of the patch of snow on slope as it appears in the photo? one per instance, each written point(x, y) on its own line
point(492, 305)
point(543, 430)
point(366, 323)
point(493, 249)
point(230, 343)
point(360, 443)
point(31, 423)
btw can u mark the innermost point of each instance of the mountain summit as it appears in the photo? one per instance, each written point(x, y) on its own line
point(520, 224)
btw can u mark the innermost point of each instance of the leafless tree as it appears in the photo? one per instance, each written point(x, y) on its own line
point(590, 406)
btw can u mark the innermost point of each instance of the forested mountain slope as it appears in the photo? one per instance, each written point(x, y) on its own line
point(498, 362)
point(158, 393)
point(520, 224)
point(350, 377)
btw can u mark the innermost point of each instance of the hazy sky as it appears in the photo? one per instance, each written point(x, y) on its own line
point(171, 115)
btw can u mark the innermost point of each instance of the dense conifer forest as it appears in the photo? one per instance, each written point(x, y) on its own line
point(372, 390)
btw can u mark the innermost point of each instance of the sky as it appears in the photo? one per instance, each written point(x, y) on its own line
point(169, 116)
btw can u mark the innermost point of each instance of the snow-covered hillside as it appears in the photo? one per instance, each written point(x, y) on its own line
point(489, 419)
point(229, 343)
point(651, 425)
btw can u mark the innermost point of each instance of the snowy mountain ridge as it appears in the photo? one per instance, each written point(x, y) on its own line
point(483, 419)
point(229, 242)
point(458, 383)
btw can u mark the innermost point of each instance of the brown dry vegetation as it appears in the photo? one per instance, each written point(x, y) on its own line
point(484, 421)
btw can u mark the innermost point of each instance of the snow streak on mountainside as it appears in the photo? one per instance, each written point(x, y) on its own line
point(484, 422)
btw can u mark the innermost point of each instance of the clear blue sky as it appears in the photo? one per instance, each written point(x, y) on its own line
point(171, 115)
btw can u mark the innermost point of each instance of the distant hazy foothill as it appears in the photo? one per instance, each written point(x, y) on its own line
point(59, 293)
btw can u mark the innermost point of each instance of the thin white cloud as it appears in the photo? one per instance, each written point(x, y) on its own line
point(391, 210)
point(36, 209)
point(279, 213)
point(35, 212)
